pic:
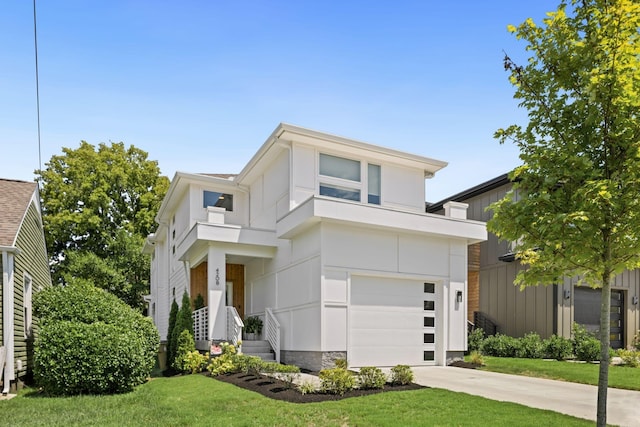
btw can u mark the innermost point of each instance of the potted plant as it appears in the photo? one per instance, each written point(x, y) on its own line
point(252, 327)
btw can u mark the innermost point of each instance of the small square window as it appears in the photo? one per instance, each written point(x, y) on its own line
point(429, 356)
point(429, 338)
point(429, 288)
point(430, 305)
point(429, 322)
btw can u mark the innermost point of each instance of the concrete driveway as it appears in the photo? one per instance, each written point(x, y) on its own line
point(579, 400)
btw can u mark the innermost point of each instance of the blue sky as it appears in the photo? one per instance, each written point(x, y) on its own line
point(200, 85)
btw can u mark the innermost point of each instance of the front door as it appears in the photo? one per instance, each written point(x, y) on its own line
point(235, 287)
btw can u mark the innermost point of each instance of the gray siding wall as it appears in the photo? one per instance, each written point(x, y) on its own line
point(34, 261)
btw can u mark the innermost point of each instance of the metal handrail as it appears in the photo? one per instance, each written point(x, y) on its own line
point(272, 332)
point(234, 325)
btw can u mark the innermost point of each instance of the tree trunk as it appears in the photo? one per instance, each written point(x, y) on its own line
point(605, 332)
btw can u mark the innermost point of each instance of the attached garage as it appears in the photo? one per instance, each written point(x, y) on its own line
point(391, 321)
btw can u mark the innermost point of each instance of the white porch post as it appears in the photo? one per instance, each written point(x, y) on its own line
point(216, 285)
point(7, 318)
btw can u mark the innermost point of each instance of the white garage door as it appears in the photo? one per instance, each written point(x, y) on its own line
point(391, 322)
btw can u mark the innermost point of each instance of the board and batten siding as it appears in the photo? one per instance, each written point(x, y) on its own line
point(32, 260)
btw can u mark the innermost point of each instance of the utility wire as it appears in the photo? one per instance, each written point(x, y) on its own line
point(35, 40)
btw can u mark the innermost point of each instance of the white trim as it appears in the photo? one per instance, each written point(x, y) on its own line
point(8, 284)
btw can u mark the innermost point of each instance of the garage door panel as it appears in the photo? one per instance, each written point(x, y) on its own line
point(385, 319)
point(386, 322)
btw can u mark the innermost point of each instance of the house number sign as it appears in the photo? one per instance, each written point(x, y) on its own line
point(217, 277)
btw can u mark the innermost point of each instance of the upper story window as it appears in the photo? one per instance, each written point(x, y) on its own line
point(219, 200)
point(343, 179)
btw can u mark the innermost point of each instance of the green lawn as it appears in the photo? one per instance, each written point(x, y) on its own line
point(585, 373)
point(197, 400)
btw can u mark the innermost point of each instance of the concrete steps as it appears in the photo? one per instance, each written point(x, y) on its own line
point(260, 348)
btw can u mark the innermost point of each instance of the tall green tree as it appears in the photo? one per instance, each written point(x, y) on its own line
point(98, 205)
point(574, 209)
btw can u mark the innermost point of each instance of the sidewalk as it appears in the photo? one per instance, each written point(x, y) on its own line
point(579, 400)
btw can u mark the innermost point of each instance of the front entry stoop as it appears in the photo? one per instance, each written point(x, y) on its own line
point(260, 348)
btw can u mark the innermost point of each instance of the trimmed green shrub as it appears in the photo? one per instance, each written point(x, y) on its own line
point(476, 358)
point(531, 346)
point(371, 377)
point(636, 341)
point(198, 303)
point(475, 340)
point(307, 387)
point(500, 345)
point(90, 342)
point(401, 375)
point(173, 315)
point(586, 346)
point(556, 347)
point(336, 381)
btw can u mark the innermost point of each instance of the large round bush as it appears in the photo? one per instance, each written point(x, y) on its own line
point(91, 342)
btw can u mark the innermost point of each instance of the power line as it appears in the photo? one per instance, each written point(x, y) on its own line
point(35, 40)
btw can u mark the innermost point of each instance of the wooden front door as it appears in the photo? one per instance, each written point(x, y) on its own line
point(235, 280)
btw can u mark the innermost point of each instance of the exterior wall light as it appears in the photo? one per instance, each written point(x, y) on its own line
point(567, 294)
point(634, 300)
point(459, 296)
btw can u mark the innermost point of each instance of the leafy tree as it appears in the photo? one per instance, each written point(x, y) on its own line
point(98, 205)
point(574, 207)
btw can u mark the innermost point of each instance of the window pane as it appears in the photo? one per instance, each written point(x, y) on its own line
point(429, 355)
point(429, 338)
point(338, 167)
point(429, 288)
point(339, 192)
point(219, 200)
point(374, 184)
point(429, 322)
point(429, 305)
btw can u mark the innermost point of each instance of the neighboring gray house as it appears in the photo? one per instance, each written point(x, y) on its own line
point(547, 309)
point(25, 269)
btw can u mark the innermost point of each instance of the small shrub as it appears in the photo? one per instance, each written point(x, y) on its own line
point(249, 364)
point(636, 341)
point(223, 364)
point(476, 358)
point(371, 377)
point(475, 340)
point(586, 346)
point(288, 374)
point(336, 381)
point(500, 345)
point(307, 387)
point(556, 347)
point(340, 363)
point(185, 346)
point(195, 362)
point(630, 357)
point(530, 347)
point(401, 375)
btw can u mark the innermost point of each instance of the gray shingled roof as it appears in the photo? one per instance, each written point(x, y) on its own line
point(14, 202)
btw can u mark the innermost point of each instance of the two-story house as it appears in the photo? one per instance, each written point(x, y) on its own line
point(327, 240)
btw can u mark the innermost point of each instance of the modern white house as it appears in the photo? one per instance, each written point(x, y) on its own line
point(327, 240)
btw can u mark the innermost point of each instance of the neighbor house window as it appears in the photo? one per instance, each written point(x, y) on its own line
point(218, 200)
point(26, 303)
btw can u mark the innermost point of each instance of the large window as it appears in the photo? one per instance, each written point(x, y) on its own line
point(342, 178)
point(218, 200)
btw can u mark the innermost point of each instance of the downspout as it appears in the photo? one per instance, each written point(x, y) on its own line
point(8, 283)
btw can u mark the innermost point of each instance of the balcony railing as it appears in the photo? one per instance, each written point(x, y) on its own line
point(234, 325)
point(272, 332)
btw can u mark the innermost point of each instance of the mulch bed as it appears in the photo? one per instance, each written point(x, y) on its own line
point(275, 389)
point(463, 364)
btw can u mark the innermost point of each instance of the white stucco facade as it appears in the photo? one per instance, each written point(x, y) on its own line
point(332, 237)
